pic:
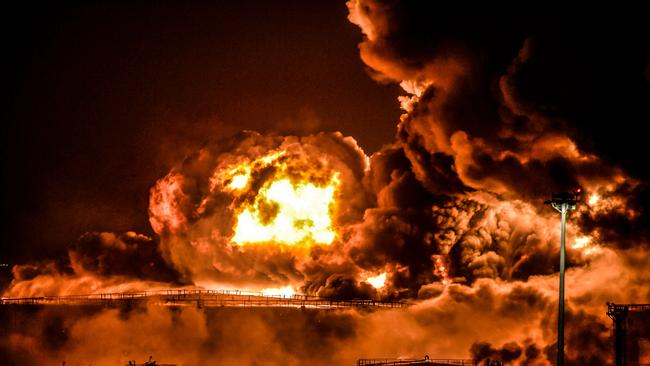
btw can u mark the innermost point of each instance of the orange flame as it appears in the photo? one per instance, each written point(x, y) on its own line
point(288, 208)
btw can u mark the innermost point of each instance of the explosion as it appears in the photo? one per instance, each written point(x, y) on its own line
point(287, 208)
point(377, 281)
point(448, 216)
point(258, 212)
point(286, 291)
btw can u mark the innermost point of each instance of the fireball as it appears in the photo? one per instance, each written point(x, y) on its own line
point(378, 281)
point(290, 205)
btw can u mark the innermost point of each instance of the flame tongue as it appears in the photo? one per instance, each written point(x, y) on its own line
point(292, 206)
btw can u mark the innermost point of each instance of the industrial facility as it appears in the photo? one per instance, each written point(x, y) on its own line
point(631, 333)
point(631, 322)
point(202, 298)
point(425, 361)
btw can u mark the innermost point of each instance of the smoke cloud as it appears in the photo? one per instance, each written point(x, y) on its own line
point(451, 211)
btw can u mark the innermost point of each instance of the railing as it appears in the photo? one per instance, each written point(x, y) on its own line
point(202, 298)
point(425, 361)
point(614, 310)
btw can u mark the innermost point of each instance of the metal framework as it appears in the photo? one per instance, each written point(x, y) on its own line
point(563, 203)
point(201, 298)
point(151, 362)
point(425, 361)
point(624, 343)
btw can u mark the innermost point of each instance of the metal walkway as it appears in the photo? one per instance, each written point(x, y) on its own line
point(201, 298)
point(425, 361)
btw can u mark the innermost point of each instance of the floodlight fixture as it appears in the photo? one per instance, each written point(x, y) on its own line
point(563, 203)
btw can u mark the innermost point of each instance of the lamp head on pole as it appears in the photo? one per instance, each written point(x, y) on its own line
point(562, 202)
point(558, 200)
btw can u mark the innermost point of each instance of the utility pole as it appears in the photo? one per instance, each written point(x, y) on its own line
point(563, 203)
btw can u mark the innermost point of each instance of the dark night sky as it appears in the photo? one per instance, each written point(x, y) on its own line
point(105, 98)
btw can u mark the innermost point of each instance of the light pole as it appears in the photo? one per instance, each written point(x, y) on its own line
point(563, 203)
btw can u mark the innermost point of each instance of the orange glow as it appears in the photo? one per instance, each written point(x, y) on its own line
point(287, 208)
point(378, 281)
point(441, 269)
point(239, 181)
point(286, 291)
point(164, 204)
point(584, 244)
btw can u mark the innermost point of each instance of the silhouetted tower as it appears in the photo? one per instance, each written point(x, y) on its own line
point(618, 314)
point(563, 203)
point(631, 324)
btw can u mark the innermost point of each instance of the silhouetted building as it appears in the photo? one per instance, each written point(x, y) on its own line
point(631, 333)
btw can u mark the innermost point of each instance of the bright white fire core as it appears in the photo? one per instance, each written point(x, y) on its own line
point(288, 213)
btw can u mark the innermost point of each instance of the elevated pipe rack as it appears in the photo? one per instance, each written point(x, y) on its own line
point(425, 361)
point(201, 298)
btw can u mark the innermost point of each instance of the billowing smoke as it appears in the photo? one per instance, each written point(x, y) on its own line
point(492, 318)
point(97, 262)
point(449, 215)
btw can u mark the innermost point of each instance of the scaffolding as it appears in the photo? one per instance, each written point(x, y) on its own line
point(201, 298)
point(631, 324)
